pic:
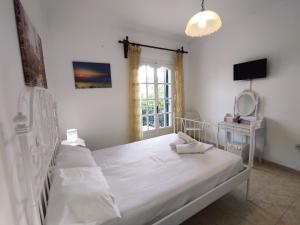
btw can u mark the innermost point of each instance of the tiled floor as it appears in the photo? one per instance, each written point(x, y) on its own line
point(274, 200)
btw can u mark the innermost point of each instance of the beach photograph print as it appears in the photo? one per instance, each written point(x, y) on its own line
point(31, 49)
point(92, 75)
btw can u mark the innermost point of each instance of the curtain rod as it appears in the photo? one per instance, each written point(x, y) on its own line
point(126, 44)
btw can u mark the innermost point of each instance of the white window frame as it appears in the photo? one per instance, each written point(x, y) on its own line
point(158, 130)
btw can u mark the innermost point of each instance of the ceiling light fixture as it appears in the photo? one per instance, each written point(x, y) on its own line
point(203, 23)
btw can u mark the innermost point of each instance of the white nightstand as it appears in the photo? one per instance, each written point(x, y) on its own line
point(79, 142)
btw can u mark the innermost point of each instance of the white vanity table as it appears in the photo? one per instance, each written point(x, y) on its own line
point(249, 128)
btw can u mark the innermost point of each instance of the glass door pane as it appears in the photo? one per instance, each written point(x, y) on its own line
point(156, 98)
point(146, 75)
point(164, 94)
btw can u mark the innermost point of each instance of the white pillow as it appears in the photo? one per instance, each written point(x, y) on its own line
point(81, 196)
point(64, 148)
point(74, 156)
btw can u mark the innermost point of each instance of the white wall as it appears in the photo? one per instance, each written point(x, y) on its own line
point(273, 33)
point(81, 30)
point(11, 83)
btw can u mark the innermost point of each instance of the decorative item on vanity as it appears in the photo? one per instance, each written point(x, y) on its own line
point(31, 49)
point(203, 23)
point(72, 138)
point(92, 75)
point(228, 118)
point(237, 118)
point(246, 124)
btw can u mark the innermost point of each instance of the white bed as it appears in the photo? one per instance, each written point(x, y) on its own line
point(151, 183)
point(149, 180)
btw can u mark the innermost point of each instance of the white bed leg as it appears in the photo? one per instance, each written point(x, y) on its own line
point(247, 189)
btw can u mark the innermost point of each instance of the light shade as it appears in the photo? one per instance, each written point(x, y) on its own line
point(72, 135)
point(203, 23)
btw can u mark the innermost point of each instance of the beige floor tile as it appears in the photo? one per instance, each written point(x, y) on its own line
point(277, 195)
point(259, 216)
point(292, 215)
point(273, 195)
point(291, 183)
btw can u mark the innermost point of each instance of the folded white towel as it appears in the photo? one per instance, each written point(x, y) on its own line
point(176, 142)
point(196, 147)
point(186, 137)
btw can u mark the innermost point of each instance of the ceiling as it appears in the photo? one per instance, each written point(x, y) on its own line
point(164, 17)
point(171, 16)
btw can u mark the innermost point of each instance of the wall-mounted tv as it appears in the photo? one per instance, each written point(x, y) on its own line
point(250, 70)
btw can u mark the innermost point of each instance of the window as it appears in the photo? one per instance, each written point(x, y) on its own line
point(156, 96)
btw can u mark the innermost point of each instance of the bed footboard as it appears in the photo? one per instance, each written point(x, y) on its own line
point(199, 130)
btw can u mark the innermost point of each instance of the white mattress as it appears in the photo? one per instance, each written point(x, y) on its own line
point(149, 180)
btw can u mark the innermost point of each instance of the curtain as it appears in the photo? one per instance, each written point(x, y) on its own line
point(178, 102)
point(135, 126)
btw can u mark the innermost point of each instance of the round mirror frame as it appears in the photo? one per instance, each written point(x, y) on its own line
point(253, 106)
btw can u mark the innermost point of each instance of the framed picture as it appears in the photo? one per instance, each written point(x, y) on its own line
point(92, 75)
point(31, 49)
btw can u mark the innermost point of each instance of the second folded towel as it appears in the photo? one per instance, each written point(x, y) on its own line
point(177, 142)
point(186, 137)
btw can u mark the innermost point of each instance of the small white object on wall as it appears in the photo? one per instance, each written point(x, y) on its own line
point(72, 135)
point(78, 142)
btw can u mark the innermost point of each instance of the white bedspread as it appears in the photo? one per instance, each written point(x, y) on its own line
point(149, 180)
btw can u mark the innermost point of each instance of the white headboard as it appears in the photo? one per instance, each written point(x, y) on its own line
point(38, 135)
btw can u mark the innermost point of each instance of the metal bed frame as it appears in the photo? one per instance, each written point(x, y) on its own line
point(38, 135)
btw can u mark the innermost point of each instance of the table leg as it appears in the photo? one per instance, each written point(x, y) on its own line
point(251, 149)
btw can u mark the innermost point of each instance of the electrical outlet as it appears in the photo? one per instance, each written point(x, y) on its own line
point(297, 147)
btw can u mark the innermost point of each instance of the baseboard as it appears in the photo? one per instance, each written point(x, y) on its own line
point(279, 166)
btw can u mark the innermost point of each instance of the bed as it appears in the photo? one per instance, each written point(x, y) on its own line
point(151, 183)
point(150, 180)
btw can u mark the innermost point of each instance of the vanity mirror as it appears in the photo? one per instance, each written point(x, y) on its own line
point(246, 104)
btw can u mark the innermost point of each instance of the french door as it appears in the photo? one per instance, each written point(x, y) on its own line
point(156, 99)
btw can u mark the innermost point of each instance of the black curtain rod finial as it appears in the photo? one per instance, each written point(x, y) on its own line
point(126, 46)
point(125, 43)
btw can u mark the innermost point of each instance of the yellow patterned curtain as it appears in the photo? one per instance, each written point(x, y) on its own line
point(135, 127)
point(178, 102)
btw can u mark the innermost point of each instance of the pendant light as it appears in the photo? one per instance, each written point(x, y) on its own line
point(203, 23)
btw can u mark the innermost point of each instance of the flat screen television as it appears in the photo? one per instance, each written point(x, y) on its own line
point(250, 70)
